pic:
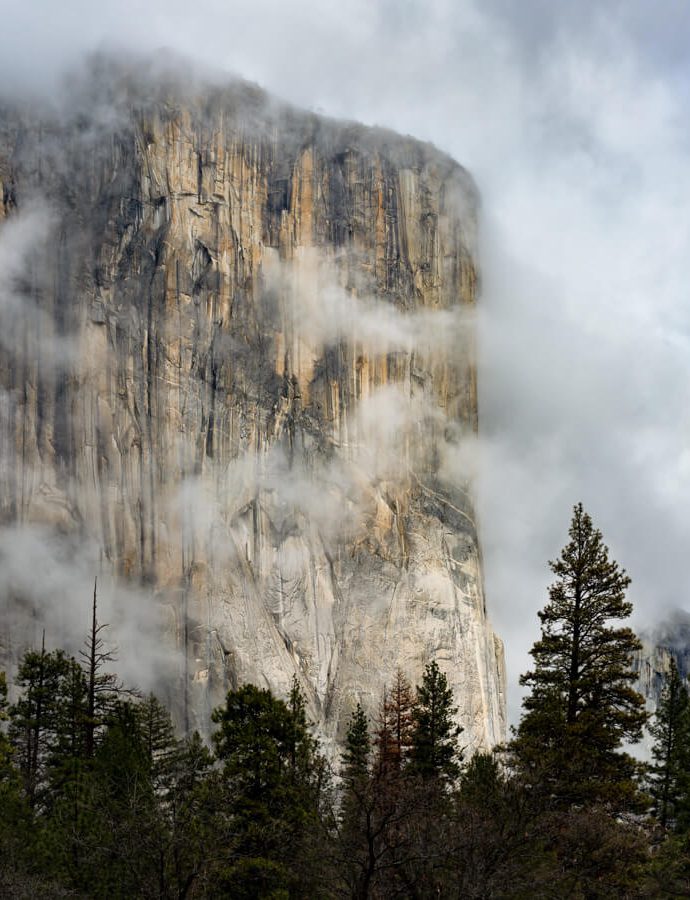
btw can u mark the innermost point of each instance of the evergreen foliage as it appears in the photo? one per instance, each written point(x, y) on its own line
point(669, 782)
point(582, 706)
point(47, 722)
point(114, 846)
point(434, 752)
point(99, 798)
point(355, 758)
point(482, 780)
point(274, 783)
point(191, 811)
point(159, 743)
point(15, 819)
point(5, 748)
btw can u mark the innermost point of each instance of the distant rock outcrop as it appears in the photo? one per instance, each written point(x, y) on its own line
point(668, 641)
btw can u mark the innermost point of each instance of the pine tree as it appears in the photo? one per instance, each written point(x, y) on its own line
point(274, 781)
point(482, 781)
point(118, 830)
point(358, 825)
point(191, 809)
point(355, 758)
point(302, 747)
point(4, 743)
point(17, 831)
point(158, 737)
point(434, 752)
point(9, 776)
point(393, 737)
point(47, 721)
point(670, 773)
point(582, 706)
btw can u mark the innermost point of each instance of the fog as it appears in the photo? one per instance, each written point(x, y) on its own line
point(43, 575)
point(573, 121)
point(324, 312)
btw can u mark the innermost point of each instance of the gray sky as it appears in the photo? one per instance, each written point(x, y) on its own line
point(573, 119)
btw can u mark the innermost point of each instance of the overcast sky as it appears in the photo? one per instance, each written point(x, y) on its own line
point(573, 118)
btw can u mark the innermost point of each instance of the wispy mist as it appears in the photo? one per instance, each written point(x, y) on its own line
point(324, 312)
point(24, 325)
point(46, 585)
point(573, 120)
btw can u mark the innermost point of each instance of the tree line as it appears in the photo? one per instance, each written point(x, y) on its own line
point(100, 798)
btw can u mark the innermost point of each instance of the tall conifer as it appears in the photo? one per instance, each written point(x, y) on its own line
point(670, 773)
point(435, 753)
point(393, 736)
point(582, 705)
point(355, 757)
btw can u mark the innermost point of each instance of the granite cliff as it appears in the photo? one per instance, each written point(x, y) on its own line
point(236, 365)
point(669, 640)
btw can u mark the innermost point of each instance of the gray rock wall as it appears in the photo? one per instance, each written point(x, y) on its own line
point(236, 353)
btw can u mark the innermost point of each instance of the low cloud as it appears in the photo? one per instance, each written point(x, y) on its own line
point(47, 582)
point(24, 325)
point(331, 493)
point(573, 122)
point(323, 312)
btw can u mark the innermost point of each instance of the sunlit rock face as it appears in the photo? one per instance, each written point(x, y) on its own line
point(237, 358)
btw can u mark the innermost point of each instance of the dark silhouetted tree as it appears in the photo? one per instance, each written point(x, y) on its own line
point(435, 753)
point(669, 781)
point(17, 834)
point(118, 830)
point(103, 687)
point(274, 783)
point(357, 752)
point(393, 738)
point(158, 738)
point(47, 721)
point(192, 809)
point(582, 706)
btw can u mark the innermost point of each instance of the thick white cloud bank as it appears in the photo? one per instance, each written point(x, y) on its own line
point(573, 120)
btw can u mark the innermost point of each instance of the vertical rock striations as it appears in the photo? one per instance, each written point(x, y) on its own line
point(238, 355)
point(669, 640)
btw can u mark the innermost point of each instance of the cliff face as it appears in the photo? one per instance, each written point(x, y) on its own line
point(237, 358)
point(669, 641)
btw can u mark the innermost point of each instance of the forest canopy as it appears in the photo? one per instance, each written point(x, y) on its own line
point(99, 796)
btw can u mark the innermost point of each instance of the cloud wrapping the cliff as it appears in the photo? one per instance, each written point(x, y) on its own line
point(46, 582)
point(322, 312)
point(572, 118)
point(330, 490)
point(24, 239)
